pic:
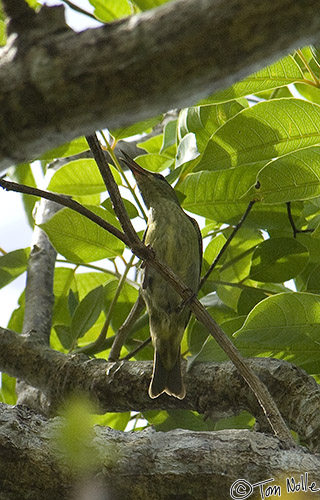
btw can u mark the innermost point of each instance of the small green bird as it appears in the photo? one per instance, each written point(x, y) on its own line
point(176, 240)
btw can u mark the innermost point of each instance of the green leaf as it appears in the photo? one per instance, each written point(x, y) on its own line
point(218, 195)
point(263, 132)
point(149, 4)
point(295, 176)
point(69, 149)
point(117, 421)
point(173, 419)
point(12, 264)
point(152, 145)
point(126, 299)
point(205, 120)
point(130, 207)
point(154, 162)
point(87, 312)
point(136, 128)
point(284, 326)
point(187, 149)
point(23, 174)
point(278, 259)
point(84, 282)
point(109, 10)
point(237, 264)
point(8, 389)
point(79, 177)
point(309, 92)
point(64, 335)
point(81, 240)
point(283, 72)
point(16, 320)
point(63, 279)
point(169, 136)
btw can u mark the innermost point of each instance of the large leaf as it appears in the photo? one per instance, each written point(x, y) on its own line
point(205, 120)
point(136, 128)
point(283, 72)
point(223, 196)
point(285, 326)
point(69, 149)
point(219, 194)
point(295, 176)
point(278, 260)
point(79, 177)
point(263, 132)
point(81, 240)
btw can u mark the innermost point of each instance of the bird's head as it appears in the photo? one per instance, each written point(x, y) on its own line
point(153, 186)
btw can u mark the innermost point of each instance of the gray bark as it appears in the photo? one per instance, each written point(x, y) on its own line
point(213, 389)
point(141, 465)
point(56, 85)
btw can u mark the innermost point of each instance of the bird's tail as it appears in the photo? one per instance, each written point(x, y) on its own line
point(168, 381)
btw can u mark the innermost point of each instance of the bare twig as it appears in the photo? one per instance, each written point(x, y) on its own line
point(137, 349)
point(125, 329)
point(227, 243)
point(292, 223)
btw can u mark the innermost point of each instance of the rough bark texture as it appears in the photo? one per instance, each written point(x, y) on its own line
point(145, 465)
point(214, 389)
point(56, 85)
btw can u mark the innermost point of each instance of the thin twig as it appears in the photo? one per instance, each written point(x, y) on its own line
point(292, 223)
point(131, 354)
point(125, 329)
point(225, 246)
point(95, 346)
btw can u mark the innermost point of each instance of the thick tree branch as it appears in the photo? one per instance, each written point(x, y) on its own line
point(213, 389)
point(58, 85)
point(139, 465)
point(39, 297)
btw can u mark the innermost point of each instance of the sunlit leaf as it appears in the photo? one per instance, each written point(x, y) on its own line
point(283, 72)
point(12, 264)
point(263, 132)
point(81, 240)
point(69, 149)
point(295, 176)
point(284, 326)
point(109, 10)
point(79, 177)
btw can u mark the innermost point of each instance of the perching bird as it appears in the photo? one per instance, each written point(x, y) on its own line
point(176, 240)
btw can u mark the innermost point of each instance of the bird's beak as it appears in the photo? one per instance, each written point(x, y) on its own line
point(134, 167)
